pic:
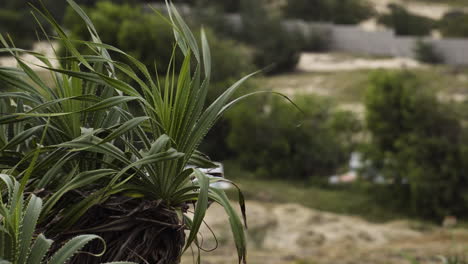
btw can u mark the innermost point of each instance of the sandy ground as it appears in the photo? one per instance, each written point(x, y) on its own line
point(329, 62)
point(323, 63)
point(432, 10)
point(41, 47)
point(288, 233)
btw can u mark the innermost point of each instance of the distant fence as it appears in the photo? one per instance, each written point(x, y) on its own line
point(350, 38)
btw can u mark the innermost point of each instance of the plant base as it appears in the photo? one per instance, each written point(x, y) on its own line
point(134, 230)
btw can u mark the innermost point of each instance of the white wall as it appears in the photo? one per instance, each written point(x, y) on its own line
point(354, 39)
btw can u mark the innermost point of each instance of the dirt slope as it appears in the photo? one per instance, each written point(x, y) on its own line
point(289, 233)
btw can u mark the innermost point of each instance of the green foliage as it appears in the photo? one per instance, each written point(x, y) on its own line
point(352, 11)
point(276, 141)
point(406, 23)
point(228, 6)
point(336, 11)
point(425, 52)
point(18, 219)
point(146, 37)
point(310, 10)
point(14, 23)
point(231, 59)
point(276, 48)
point(454, 25)
point(81, 137)
point(16, 20)
point(418, 145)
point(150, 39)
point(317, 40)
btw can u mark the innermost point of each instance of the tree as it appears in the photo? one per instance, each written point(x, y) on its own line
point(339, 12)
point(418, 145)
point(146, 37)
point(454, 25)
point(352, 11)
point(228, 6)
point(278, 141)
point(427, 53)
point(406, 23)
point(276, 48)
point(310, 10)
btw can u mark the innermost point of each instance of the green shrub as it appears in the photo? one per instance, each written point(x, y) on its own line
point(310, 10)
point(216, 142)
point(352, 11)
point(228, 6)
point(15, 19)
point(21, 30)
point(231, 60)
point(454, 25)
point(276, 141)
point(147, 37)
point(317, 40)
point(418, 145)
point(276, 48)
point(150, 39)
point(337, 11)
point(273, 47)
point(406, 23)
point(425, 52)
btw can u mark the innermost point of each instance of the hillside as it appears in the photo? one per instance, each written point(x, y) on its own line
point(293, 234)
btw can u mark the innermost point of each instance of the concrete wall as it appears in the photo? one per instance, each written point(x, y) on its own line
point(454, 51)
point(354, 39)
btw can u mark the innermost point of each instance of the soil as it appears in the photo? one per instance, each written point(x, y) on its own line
point(432, 10)
point(42, 47)
point(332, 62)
point(291, 233)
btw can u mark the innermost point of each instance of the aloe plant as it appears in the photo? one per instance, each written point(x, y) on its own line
point(95, 156)
point(19, 243)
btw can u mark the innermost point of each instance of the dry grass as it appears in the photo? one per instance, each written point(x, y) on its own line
point(350, 86)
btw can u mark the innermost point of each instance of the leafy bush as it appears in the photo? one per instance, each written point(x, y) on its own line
point(454, 25)
point(317, 40)
point(425, 52)
point(406, 23)
point(231, 60)
point(16, 20)
point(276, 141)
point(150, 39)
point(275, 47)
point(337, 11)
point(352, 11)
point(146, 37)
point(310, 10)
point(418, 145)
point(20, 29)
point(272, 46)
point(228, 6)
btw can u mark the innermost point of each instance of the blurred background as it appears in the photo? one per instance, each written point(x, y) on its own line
point(375, 167)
